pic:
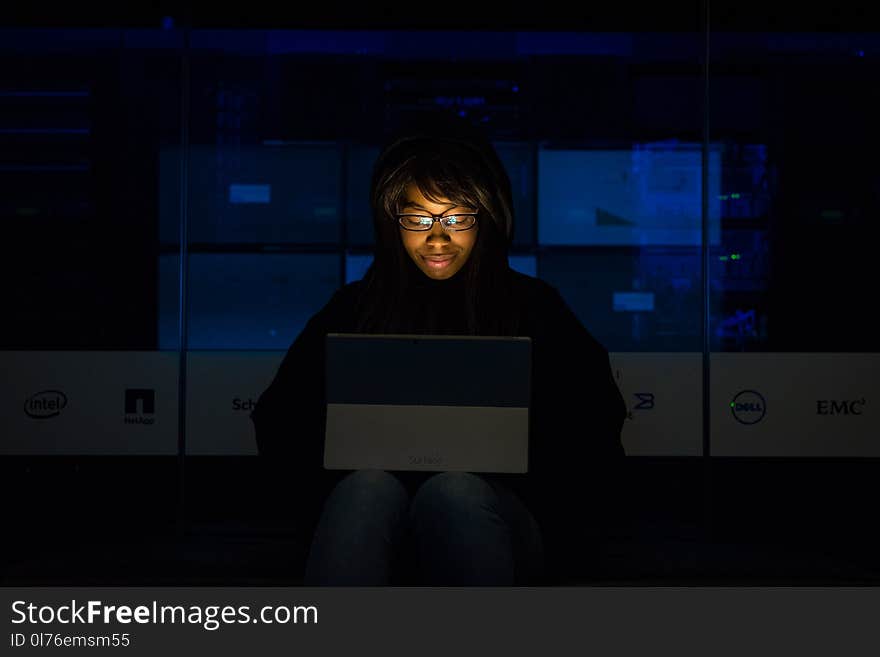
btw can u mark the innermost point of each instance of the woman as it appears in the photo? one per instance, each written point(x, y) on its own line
point(443, 220)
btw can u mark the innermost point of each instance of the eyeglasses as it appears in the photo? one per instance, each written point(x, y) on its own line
point(453, 222)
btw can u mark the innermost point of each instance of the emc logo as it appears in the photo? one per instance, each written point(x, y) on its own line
point(840, 406)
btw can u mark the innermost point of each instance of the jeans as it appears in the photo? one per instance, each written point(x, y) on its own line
point(459, 529)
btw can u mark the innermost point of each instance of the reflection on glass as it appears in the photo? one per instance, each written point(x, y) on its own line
point(285, 192)
point(740, 266)
point(248, 301)
point(648, 195)
point(519, 161)
point(359, 216)
point(645, 299)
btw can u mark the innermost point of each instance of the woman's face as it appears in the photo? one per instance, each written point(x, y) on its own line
point(437, 252)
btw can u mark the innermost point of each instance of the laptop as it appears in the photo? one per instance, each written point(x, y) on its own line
point(427, 402)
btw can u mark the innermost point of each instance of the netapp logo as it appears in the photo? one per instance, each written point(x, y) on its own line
point(140, 403)
point(840, 407)
point(45, 404)
point(243, 404)
point(748, 407)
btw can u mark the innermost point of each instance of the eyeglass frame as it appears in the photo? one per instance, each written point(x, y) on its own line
point(435, 218)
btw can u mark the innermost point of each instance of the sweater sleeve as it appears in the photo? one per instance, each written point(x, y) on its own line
point(578, 407)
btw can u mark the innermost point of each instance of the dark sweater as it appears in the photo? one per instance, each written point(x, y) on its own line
point(576, 411)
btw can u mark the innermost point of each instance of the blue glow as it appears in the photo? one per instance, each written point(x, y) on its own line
point(44, 167)
point(356, 266)
point(524, 264)
point(44, 131)
point(650, 195)
point(44, 94)
point(633, 302)
point(250, 193)
point(740, 324)
point(574, 43)
point(356, 42)
point(236, 301)
point(467, 101)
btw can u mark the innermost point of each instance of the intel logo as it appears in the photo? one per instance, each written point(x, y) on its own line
point(748, 407)
point(45, 404)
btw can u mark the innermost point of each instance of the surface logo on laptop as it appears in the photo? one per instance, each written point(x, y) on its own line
point(45, 404)
point(748, 407)
point(425, 459)
point(140, 406)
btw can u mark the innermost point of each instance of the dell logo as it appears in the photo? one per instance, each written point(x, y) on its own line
point(840, 407)
point(748, 407)
point(45, 404)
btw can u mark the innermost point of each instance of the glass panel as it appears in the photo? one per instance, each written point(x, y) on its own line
point(256, 301)
point(793, 270)
point(270, 193)
point(607, 201)
point(795, 351)
point(359, 220)
point(92, 398)
point(519, 162)
point(619, 217)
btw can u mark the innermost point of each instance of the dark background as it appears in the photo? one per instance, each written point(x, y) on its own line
point(86, 224)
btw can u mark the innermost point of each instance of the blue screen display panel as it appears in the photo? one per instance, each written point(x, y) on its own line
point(245, 300)
point(649, 195)
point(274, 193)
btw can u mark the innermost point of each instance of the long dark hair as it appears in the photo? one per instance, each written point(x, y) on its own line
point(450, 159)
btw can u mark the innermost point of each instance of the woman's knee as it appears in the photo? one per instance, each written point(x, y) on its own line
point(370, 488)
point(453, 492)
